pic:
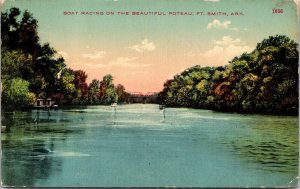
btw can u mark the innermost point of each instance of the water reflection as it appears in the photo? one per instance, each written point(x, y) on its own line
point(12, 119)
point(25, 161)
point(45, 116)
point(139, 147)
point(114, 114)
point(28, 146)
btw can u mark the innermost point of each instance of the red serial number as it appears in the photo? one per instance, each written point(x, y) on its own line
point(277, 11)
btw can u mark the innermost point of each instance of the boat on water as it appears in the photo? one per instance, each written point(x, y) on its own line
point(114, 105)
point(44, 103)
point(161, 106)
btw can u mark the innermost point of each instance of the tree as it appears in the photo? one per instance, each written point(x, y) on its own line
point(15, 94)
point(15, 64)
point(28, 35)
point(275, 41)
point(67, 91)
point(47, 66)
point(80, 84)
point(107, 90)
point(265, 80)
point(121, 93)
point(24, 57)
point(36, 66)
point(10, 29)
point(94, 92)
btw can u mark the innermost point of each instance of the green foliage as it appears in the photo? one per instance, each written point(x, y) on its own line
point(94, 92)
point(122, 94)
point(23, 57)
point(30, 69)
point(108, 93)
point(66, 86)
point(81, 85)
point(19, 33)
point(15, 93)
point(265, 80)
point(30, 98)
point(275, 41)
point(15, 64)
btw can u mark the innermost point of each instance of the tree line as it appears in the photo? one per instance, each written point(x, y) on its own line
point(263, 81)
point(31, 70)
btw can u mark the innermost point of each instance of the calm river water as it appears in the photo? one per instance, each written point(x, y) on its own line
point(136, 146)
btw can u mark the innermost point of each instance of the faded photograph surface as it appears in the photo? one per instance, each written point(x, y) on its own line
point(140, 93)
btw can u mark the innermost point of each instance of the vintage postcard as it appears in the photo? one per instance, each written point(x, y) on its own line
point(149, 93)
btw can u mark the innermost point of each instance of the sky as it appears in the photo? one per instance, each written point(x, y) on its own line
point(142, 51)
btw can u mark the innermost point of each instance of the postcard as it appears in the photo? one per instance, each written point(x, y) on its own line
point(149, 93)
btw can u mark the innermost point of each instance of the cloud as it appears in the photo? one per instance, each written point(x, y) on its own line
point(127, 62)
point(227, 40)
point(123, 59)
point(144, 45)
point(212, 1)
point(64, 54)
point(222, 52)
point(225, 50)
point(95, 55)
point(219, 25)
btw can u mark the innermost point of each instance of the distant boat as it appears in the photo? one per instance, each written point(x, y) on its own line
point(114, 105)
point(45, 103)
point(161, 107)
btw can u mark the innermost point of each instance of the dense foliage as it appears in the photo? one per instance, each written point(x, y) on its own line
point(263, 81)
point(30, 70)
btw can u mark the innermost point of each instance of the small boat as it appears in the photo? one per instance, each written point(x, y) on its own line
point(161, 106)
point(114, 105)
point(44, 103)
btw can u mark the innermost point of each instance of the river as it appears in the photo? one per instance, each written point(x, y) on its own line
point(135, 145)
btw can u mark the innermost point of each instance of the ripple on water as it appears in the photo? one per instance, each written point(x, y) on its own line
point(272, 155)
